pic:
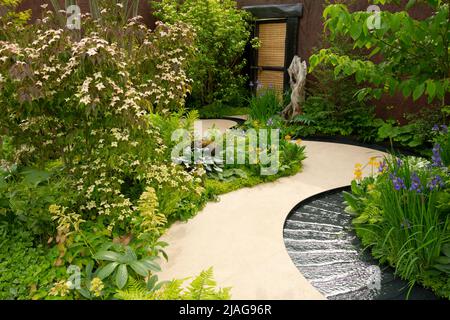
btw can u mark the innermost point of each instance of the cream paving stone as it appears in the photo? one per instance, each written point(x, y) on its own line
point(220, 124)
point(241, 236)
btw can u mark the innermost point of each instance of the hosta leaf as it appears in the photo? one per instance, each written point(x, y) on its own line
point(140, 268)
point(107, 255)
point(121, 276)
point(129, 256)
point(104, 272)
point(151, 265)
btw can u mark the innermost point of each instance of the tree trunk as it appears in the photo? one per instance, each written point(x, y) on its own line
point(297, 73)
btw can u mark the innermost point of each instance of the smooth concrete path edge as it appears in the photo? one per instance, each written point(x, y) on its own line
point(241, 236)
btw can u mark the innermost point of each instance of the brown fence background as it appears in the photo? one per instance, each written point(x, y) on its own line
point(310, 33)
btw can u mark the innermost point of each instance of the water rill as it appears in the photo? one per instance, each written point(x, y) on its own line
point(319, 239)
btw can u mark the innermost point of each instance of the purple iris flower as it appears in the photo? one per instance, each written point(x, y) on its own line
point(270, 122)
point(444, 129)
point(436, 158)
point(416, 184)
point(435, 128)
point(436, 183)
point(398, 183)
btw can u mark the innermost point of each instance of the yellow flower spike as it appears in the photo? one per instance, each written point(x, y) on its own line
point(358, 172)
point(287, 138)
point(373, 162)
point(299, 141)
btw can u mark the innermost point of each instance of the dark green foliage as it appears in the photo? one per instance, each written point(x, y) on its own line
point(26, 270)
point(323, 117)
point(265, 106)
point(222, 32)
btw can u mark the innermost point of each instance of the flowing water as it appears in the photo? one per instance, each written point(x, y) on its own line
point(319, 239)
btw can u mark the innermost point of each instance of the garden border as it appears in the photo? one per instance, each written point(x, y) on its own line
point(347, 141)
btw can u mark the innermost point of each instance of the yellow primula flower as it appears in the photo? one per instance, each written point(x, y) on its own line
point(358, 172)
point(96, 287)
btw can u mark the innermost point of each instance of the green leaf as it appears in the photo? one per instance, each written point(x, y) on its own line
point(140, 268)
point(35, 177)
point(431, 89)
point(443, 260)
point(355, 30)
point(313, 61)
point(443, 267)
point(121, 276)
point(410, 4)
point(85, 293)
point(129, 256)
point(107, 255)
point(104, 272)
point(151, 265)
point(152, 282)
point(446, 249)
point(418, 91)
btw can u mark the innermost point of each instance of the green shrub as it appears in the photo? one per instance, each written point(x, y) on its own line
point(401, 42)
point(323, 117)
point(11, 20)
point(222, 34)
point(25, 197)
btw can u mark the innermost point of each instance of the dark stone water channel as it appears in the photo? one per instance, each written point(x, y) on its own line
point(319, 239)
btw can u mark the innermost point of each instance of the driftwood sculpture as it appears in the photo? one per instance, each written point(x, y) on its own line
point(297, 73)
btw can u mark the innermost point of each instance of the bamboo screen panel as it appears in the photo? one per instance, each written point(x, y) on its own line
point(273, 42)
point(273, 79)
point(272, 54)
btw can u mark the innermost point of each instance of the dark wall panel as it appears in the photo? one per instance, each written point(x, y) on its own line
point(35, 5)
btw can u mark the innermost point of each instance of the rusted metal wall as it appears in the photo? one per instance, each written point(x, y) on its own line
point(310, 33)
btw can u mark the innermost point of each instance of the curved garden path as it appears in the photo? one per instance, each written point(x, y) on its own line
point(241, 236)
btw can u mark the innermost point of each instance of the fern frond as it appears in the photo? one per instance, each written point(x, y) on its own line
point(135, 291)
point(203, 287)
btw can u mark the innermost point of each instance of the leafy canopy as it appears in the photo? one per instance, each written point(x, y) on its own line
point(414, 53)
